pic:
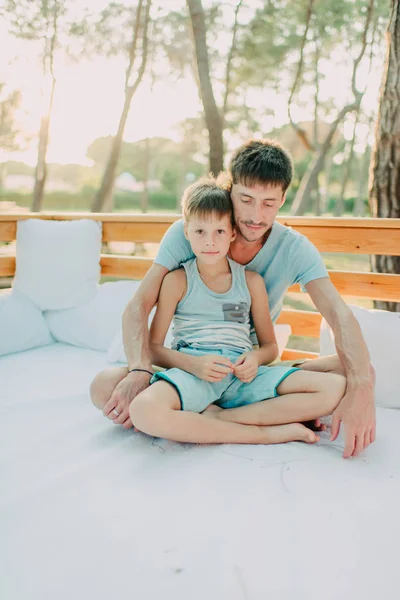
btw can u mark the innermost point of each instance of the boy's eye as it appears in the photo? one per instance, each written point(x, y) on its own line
point(199, 231)
point(221, 230)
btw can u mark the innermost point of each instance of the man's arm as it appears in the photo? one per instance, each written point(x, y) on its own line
point(357, 408)
point(136, 342)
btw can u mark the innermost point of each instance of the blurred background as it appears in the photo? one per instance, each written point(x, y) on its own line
point(119, 105)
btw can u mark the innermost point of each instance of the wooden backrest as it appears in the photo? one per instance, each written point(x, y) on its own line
point(351, 236)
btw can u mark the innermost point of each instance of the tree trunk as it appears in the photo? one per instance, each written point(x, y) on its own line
point(104, 195)
point(385, 167)
point(103, 199)
point(340, 207)
point(212, 116)
point(41, 166)
point(362, 192)
point(144, 201)
point(309, 178)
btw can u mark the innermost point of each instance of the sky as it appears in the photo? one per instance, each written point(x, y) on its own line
point(89, 97)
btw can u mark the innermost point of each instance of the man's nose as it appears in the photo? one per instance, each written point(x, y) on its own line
point(257, 215)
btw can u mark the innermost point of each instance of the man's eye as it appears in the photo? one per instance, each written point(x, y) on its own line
point(269, 205)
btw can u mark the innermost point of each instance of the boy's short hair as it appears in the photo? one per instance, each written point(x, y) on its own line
point(207, 196)
point(263, 162)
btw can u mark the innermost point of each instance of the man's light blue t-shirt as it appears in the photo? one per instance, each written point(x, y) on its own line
point(287, 257)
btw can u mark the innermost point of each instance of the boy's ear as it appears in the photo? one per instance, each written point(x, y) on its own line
point(234, 234)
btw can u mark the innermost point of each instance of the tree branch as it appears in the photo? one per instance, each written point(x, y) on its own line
point(229, 61)
point(299, 130)
point(145, 39)
point(133, 46)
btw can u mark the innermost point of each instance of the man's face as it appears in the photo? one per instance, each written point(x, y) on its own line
point(255, 208)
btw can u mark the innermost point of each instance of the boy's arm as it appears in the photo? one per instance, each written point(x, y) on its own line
point(268, 347)
point(172, 291)
point(247, 364)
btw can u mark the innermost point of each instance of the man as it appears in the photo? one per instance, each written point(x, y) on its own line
point(260, 174)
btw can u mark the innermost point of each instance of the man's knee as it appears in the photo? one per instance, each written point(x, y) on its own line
point(98, 393)
point(103, 385)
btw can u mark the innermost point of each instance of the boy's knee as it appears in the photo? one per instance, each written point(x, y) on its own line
point(141, 411)
point(336, 387)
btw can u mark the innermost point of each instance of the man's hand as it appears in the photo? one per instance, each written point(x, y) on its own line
point(127, 389)
point(356, 412)
point(212, 367)
point(246, 367)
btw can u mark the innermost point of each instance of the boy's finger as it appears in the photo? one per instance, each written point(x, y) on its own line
point(221, 369)
point(221, 360)
point(240, 360)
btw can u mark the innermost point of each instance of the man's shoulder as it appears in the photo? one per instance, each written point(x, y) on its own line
point(287, 237)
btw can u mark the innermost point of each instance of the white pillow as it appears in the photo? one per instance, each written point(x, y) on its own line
point(22, 326)
point(381, 331)
point(116, 352)
point(94, 323)
point(58, 262)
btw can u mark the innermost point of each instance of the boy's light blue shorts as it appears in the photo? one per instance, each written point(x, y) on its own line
point(195, 394)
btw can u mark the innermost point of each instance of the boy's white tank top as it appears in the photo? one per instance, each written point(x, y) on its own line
point(205, 319)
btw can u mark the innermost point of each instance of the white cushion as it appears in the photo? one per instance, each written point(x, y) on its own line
point(116, 352)
point(22, 326)
point(58, 262)
point(94, 323)
point(381, 331)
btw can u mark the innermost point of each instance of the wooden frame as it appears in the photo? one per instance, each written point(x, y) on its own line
point(352, 236)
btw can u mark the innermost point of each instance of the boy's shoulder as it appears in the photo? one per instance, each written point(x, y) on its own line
point(254, 279)
point(175, 283)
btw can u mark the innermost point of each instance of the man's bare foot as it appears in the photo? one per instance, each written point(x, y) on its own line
point(293, 432)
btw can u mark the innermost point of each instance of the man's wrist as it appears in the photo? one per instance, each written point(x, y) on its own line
point(148, 369)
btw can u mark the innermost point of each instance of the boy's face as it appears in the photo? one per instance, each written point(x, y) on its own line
point(255, 208)
point(210, 237)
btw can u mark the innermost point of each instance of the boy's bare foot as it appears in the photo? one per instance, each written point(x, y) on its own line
point(293, 432)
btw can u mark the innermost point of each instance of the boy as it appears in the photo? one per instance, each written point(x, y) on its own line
point(210, 300)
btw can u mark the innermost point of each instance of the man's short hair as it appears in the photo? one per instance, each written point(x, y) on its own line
point(206, 197)
point(261, 162)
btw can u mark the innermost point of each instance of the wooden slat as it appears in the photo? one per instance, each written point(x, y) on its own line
point(360, 236)
point(117, 227)
point(7, 266)
point(289, 354)
point(8, 230)
point(302, 322)
point(134, 232)
point(374, 286)
point(355, 241)
point(130, 267)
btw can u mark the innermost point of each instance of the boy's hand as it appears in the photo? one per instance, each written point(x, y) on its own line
point(212, 367)
point(246, 367)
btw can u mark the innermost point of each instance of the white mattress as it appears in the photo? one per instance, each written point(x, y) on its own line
point(89, 510)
